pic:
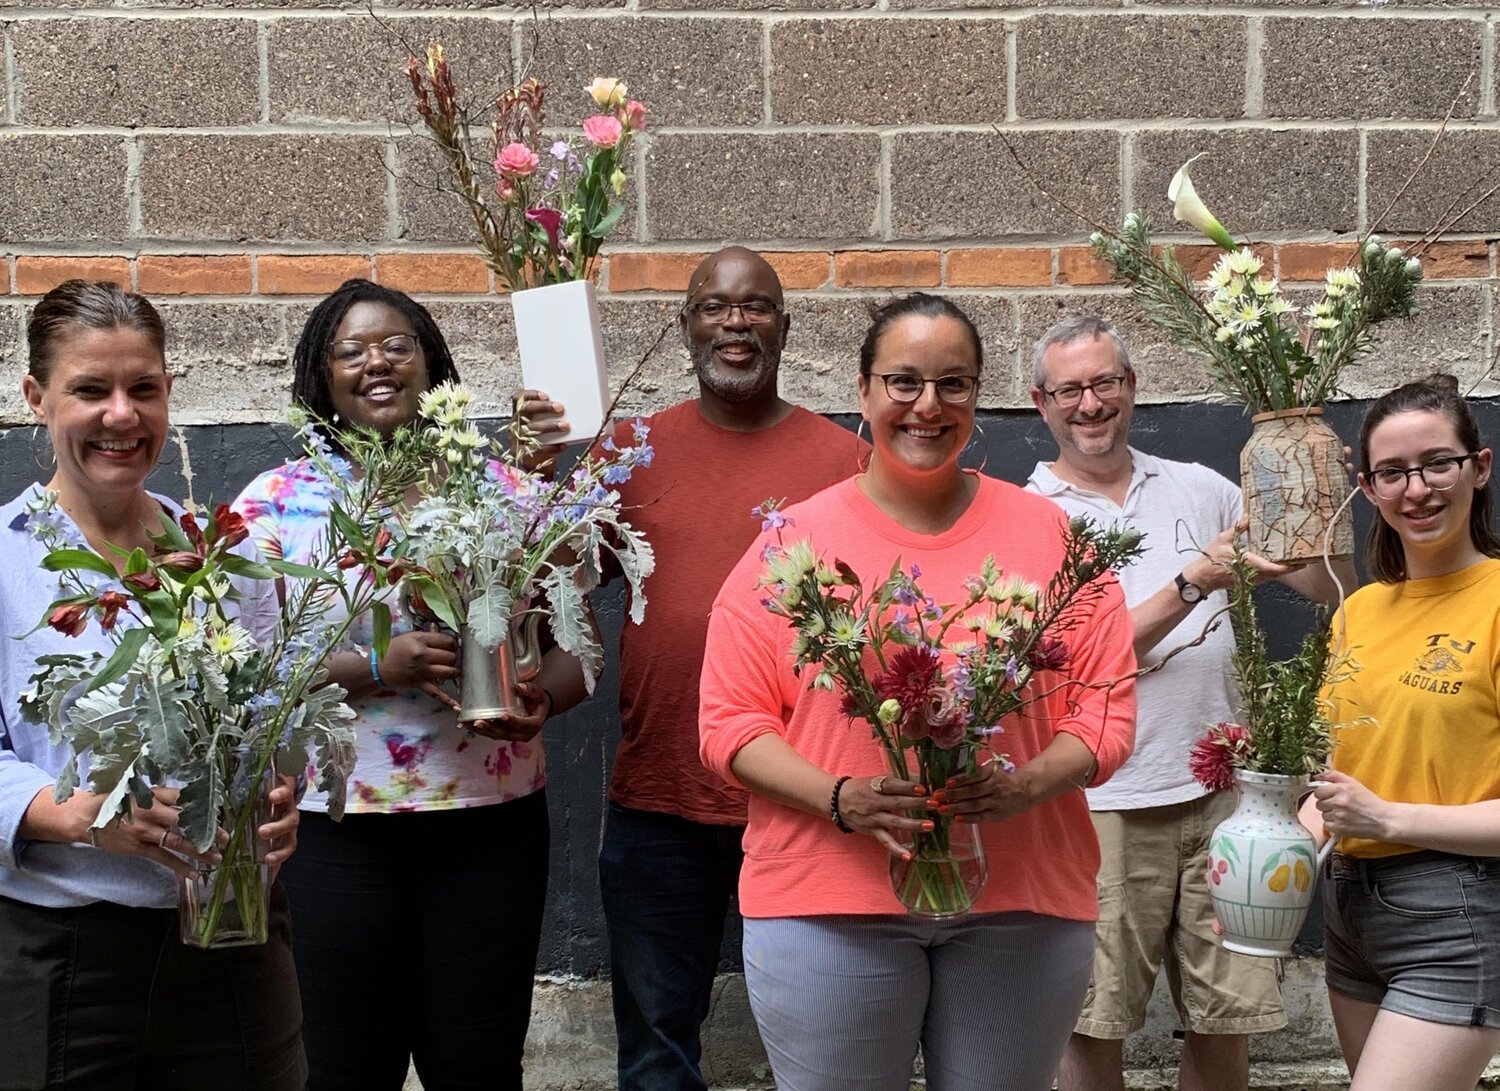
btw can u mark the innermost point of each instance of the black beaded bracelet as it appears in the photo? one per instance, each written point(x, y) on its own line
point(833, 805)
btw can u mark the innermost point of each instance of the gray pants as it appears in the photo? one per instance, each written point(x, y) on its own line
point(843, 1002)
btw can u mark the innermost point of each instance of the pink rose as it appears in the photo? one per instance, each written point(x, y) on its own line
point(516, 160)
point(602, 130)
point(635, 116)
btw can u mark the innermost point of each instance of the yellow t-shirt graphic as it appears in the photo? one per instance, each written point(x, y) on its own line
point(1428, 653)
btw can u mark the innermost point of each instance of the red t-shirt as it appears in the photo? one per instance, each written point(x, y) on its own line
point(694, 506)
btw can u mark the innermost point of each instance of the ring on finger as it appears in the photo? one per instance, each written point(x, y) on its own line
point(878, 785)
point(164, 835)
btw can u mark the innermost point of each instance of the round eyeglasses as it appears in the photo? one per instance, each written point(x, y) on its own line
point(1071, 394)
point(1439, 474)
point(903, 386)
point(353, 355)
point(756, 311)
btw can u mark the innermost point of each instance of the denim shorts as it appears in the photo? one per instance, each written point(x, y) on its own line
point(1417, 934)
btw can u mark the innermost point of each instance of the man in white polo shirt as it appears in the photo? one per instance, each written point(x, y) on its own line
point(1152, 817)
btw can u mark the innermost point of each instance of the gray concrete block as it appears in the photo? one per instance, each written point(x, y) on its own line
point(1450, 333)
point(62, 188)
point(255, 188)
point(967, 185)
point(354, 69)
point(773, 6)
point(427, 208)
point(136, 72)
point(231, 361)
point(1254, 180)
point(1006, 6)
point(1369, 68)
point(860, 71)
point(1102, 65)
point(687, 71)
point(751, 186)
point(1464, 166)
point(481, 335)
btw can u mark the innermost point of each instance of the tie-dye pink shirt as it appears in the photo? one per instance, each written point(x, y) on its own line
point(412, 754)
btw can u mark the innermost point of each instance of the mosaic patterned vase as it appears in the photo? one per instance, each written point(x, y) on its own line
point(1262, 866)
point(1293, 477)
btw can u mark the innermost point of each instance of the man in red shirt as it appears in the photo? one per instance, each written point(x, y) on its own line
point(669, 864)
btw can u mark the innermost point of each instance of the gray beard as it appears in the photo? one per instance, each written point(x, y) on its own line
point(736, 386)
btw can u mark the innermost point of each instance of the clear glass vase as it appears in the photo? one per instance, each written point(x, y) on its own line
point(946, 872)
point(228, 904)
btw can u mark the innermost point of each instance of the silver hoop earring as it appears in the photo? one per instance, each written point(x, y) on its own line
point(36, 452)
point(984, 449)
point(861, 457)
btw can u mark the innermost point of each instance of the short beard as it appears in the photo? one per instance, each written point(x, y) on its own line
point(1094, 448)
point(737, 386)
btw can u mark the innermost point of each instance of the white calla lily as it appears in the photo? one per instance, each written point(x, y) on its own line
point(1188, 207)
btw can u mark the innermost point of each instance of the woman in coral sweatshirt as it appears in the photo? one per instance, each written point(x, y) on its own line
point(845, 986)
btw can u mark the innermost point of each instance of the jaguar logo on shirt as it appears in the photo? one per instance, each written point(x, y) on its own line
point(1444, 657)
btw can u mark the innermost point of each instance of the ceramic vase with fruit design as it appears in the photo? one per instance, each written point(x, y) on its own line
point(1262, 866)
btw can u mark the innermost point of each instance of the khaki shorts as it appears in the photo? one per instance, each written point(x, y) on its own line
point(1154, 907)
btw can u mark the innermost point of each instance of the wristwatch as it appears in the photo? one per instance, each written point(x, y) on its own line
point(1188, 592)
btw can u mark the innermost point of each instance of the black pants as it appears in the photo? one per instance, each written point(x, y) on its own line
point(107, 998)
point(416, 939)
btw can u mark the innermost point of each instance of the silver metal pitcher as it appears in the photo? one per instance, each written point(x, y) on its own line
point(487, 686)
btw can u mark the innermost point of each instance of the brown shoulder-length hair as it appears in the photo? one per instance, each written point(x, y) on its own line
point(1437, 393)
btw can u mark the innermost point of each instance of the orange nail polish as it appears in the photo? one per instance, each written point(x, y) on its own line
point(928, 827)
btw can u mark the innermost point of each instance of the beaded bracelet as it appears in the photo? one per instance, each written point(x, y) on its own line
point(375, 669)
point(833, 806)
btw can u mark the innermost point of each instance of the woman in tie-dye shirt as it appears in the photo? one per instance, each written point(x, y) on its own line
point(431, 889)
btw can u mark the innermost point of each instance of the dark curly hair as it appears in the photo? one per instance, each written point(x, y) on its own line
point(310, 360)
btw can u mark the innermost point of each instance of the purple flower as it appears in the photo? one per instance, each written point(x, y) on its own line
point(916, 573)
point(906, 595)
point(560, 150)
point(1012, 668)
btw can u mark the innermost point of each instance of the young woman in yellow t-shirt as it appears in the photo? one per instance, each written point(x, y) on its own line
point(1412, 896)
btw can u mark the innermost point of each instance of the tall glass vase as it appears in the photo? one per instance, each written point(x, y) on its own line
point(946, 869)
point(946, 872)
point(228, 904)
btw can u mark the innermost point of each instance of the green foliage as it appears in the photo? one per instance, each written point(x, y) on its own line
point(1282, 701)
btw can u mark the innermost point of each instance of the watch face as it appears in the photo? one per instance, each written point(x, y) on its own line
point(1188, 592)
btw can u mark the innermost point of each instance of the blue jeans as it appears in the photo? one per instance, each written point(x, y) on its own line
point(666, 884)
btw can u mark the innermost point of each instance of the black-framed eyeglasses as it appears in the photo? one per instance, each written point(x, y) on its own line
point(904, 386)
point(1439, 474)
point(353, 355)
point(754, 311)
point(1070, 394)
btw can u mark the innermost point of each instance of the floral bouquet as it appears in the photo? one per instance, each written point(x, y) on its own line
point(933, 680)
point(552, 206)
point(1242, 325)
point(1245, 329)
point(490, 546)
point(195, 695)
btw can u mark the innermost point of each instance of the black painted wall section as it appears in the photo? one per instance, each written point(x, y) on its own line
point(581, 744)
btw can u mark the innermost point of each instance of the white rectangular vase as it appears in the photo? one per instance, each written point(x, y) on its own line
point(562, 352)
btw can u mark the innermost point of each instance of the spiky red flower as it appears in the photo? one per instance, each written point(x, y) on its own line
point(1214, 758)
point(1050, 654)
